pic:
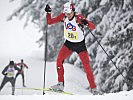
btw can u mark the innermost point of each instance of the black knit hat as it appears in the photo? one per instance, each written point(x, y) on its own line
point(11, 63)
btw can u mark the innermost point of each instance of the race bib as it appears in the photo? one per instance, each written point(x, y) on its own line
point(10, 74)
point(71, 35)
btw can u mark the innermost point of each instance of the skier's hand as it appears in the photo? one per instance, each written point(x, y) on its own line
point(5, 74)
point(47, 8)
point(84, 22)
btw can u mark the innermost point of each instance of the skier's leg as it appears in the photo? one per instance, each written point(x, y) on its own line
point(23, 79)
point(16, 76)
point(63, 54)
point(12, 81)
point(5, 80)
point(86, 64)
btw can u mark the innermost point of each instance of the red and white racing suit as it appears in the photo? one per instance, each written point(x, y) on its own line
point(74, 41)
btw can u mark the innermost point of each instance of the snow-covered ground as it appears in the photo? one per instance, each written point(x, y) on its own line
point(75, 82)
point(121, 96)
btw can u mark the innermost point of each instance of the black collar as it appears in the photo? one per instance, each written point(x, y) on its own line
point(72, 17)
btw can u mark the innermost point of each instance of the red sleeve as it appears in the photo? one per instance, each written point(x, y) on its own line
point(90, 24)
point(18, 64)
point(56, 19)
point(26, 66)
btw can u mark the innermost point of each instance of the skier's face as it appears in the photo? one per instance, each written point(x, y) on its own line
point(70, 15)
point(11, 66)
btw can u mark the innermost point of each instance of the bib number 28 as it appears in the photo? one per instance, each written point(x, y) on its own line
point(71, 35)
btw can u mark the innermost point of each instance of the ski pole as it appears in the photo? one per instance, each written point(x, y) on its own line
point(108, 56)
point(45, 55)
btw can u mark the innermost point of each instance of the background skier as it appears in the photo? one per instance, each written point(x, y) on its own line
point(22, 65)
point(74, 41)
point(8, 73)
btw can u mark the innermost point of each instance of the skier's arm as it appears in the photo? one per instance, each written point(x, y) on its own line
point(18, 64)
point(56, 19)
point(16, 68)
point(81, 19)
point(26, 66)
point(4, 71)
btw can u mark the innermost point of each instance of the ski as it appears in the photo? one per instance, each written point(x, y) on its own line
point(63, 92)
point(47, 89)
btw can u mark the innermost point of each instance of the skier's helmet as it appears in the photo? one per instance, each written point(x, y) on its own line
point(68, 7)
point(11, 63)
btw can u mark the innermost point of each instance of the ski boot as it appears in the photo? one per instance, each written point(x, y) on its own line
point(12, 93)
point(13, 90)
point(95, 92)
point(24, 85)
point(58, 87)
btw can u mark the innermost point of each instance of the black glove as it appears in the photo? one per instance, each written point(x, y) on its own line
point(5, 74)
point(47, 8)
point(84, 22)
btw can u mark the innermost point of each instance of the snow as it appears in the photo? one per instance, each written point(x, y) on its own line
point(103, 2)
point(123, 96)
point(75, 82)
point(14, 40)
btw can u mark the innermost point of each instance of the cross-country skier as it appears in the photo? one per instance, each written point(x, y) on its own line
point(22, 65)
point(74, 41)
point(8, 73)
